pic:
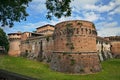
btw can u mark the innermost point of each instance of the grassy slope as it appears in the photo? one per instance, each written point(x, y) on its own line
point(110, 71)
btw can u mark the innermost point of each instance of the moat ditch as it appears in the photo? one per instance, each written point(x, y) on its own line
point(6, 75)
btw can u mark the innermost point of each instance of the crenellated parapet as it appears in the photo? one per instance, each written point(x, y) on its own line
point(78, 27)
point(113, 38)
point(14, 36)
point(75, 35)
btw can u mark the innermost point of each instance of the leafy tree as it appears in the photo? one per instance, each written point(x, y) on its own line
point(15, 10)
point(58, 8)
point(3, 40)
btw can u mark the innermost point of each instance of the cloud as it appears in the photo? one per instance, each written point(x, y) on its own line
point(101, 8)
point(108, 29)
point(109, 32)
point(91, 16)
point(107, 24)
point(115, 11)
point(78, 5)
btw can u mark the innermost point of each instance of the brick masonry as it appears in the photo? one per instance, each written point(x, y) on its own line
point(75, 48)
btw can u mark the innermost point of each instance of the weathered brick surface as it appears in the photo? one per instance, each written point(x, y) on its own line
point(115, 48)
point(115, 45)
point(46, 29)
point(38, 47)
point(75, 62)
point(75, 47)
point(83, 39)
point(15, 42)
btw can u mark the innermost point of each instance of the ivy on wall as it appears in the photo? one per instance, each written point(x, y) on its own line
point(69, 33)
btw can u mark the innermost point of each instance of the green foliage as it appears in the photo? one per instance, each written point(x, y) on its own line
point(13, 10)
point(81, 70)
point(47, 38)
point(79, 23)
point(3, 40)
point(64, 53)
point(69, 34)
point(58, 8)
point(48, 59)
point(70, 45)
point(69, 30)
point(93, 25)
point(110, 70)
point(72, 62)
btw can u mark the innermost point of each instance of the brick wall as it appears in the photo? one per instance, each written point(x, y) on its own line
point(73, 38)
point(115, 48)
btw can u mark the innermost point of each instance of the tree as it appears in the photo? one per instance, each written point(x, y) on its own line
point(12, 10)
point(58, 8)
point(15, 10)
point(3, 40)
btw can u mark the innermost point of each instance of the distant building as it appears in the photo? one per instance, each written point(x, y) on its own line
point(115, 45)
point(103, 48)
point(46, 29)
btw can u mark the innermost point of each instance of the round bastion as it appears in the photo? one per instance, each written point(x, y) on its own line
point(75, 47)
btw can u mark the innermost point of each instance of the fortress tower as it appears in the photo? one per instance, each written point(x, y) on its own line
point(75, 47)
point(15, 41)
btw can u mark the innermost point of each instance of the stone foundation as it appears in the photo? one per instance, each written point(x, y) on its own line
point(81, 62)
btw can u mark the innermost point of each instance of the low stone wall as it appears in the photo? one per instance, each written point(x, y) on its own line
point(5, 75)
point(83, 63)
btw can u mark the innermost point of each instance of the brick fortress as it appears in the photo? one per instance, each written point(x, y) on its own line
point(70, 46)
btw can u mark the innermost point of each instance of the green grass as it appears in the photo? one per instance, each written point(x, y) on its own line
point(110, 70)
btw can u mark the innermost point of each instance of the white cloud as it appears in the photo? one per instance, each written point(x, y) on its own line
point(107, 25)
point(101, 8)
point(78, 5)
point(115, 11)
point(108, 29)
point(91, 16)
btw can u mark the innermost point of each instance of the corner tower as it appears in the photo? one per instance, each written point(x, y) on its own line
point(75, 47)
point(15, 41)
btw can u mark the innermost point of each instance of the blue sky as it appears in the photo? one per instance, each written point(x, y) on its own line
point(105, 14)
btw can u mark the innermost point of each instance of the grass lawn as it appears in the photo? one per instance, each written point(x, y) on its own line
point(110, 71)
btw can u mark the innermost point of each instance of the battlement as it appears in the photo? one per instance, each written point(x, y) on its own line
point(78, 27)
point(113, 38)
point(14, 36)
